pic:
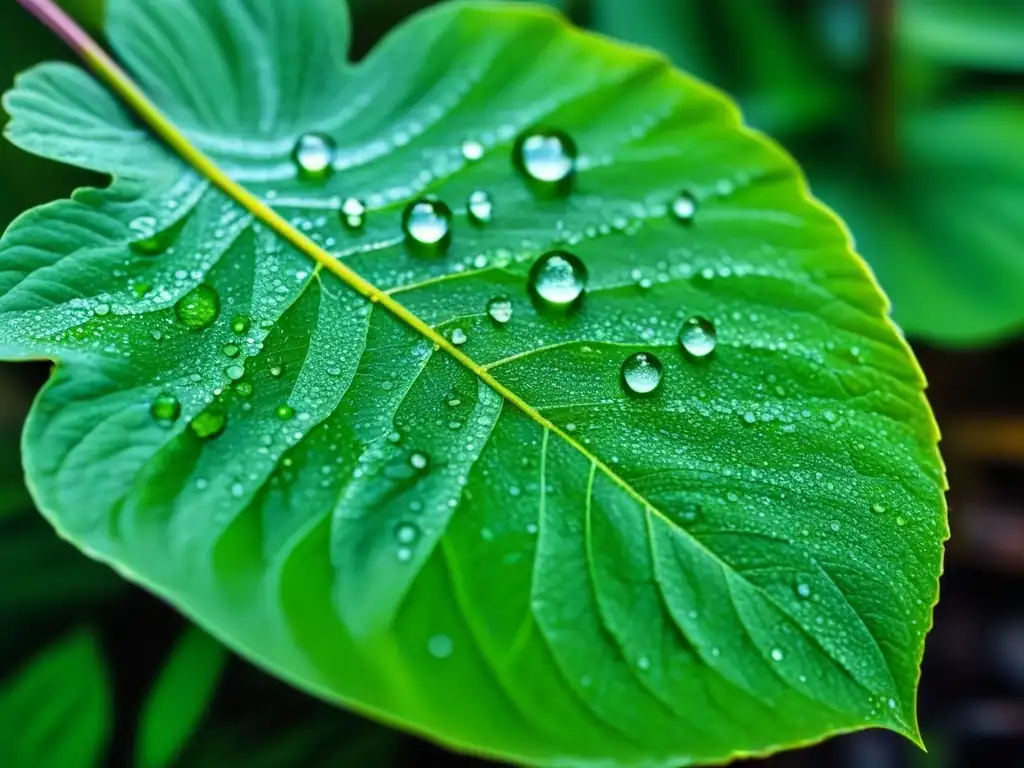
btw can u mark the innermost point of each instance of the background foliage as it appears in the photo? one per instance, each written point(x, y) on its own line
point(806, 73)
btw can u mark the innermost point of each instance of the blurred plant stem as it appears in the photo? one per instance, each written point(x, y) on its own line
point(881, 84)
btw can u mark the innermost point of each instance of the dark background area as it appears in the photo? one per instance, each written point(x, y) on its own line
point(972, 689)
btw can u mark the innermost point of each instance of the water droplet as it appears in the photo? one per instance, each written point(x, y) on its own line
point(500, 309)
point(480, 207)
point(404, 554)
point(241, 324)
point(440, 646)
point(276, 371)
point(165, 409)
point(777, 655)
point(210, 423)
point(684, 207)
point(234, 372)
point(102, 309)
point(353, 213)
point(835, 526)
point(419, 461)
point(427, 224)
point(472, 150)
point(198, 308)
point(244, 389)
point(407, 533)
point(459, 337)
point(558, 278)
point(548, 159)
point(284, 412)
point(641, 373)
point(314, 155)
point(901, 521)
point(643, 662)
point(892, 703)
point(231, 350)
point(698, 337)
point(803, 590)
point(878, 509)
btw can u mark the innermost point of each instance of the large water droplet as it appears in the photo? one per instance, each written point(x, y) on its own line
point(684, 207)
point(427, 224)
point(210, 423)
point(641, 373)
point(500, 309)
point(314, 155)
point(698, 337)
point(353, 213)
point(480, 207)
point(198, 308)
point(548, 159)
point(558, 278)
point(165, 409)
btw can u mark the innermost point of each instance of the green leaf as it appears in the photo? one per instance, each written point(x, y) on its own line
point(179, 698)
point(486, 540)
point(976, 34)
point(957, 274)
point(56, 712)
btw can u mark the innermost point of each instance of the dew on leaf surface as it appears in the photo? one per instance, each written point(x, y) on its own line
point(198, 308)
point(684, 207)
point(210, 423)
point(548, 159)
point(777, 654)
point(500, 309)
point(406, 533)
point(419, 461)
point(231, 350)
point(314, 156)
point(472, 150)
point(480, 207)
point(427, 224)
point(284, 412)
point(234, 372)
point(698, 337)
point(353, 213)
point(244, 389)
point(165, 409)
point(558, 279)
point(241, 323)
point(440, 646)
point(803, 590)
point(459, 337)
point(641, 373)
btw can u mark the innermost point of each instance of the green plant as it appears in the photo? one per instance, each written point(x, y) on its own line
point(608, 452)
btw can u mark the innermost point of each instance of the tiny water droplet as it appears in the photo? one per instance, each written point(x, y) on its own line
point(558, 278)
point(901, 521)
point(234, 372)
point(102, 309)
point(459, 337)
point(440, 646)
point(284, 412)
point(210, 423)
point(472, 150)
point(231, 350)
point(404, 554)
point(419, 461)
point(480, 207)
point(198, 308)
point(643, 662)
point(684, 207)
point(244, 389)
point(548, 159)
point(241, 324)
point(427, 224)
point(878, 509)
point(314, 156)
point(777, 655)
point(276, 371)
point(641, 373)
point(406, 533)
point(353, 213)
point(803, 590)
point(165, 409)
point(698, 337)
point(500, 309)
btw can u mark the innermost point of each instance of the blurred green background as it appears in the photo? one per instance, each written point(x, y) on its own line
point(908, 117)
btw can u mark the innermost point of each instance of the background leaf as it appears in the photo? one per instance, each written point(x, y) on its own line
point(179, 698)
point(752, 550)
point(56, 712)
